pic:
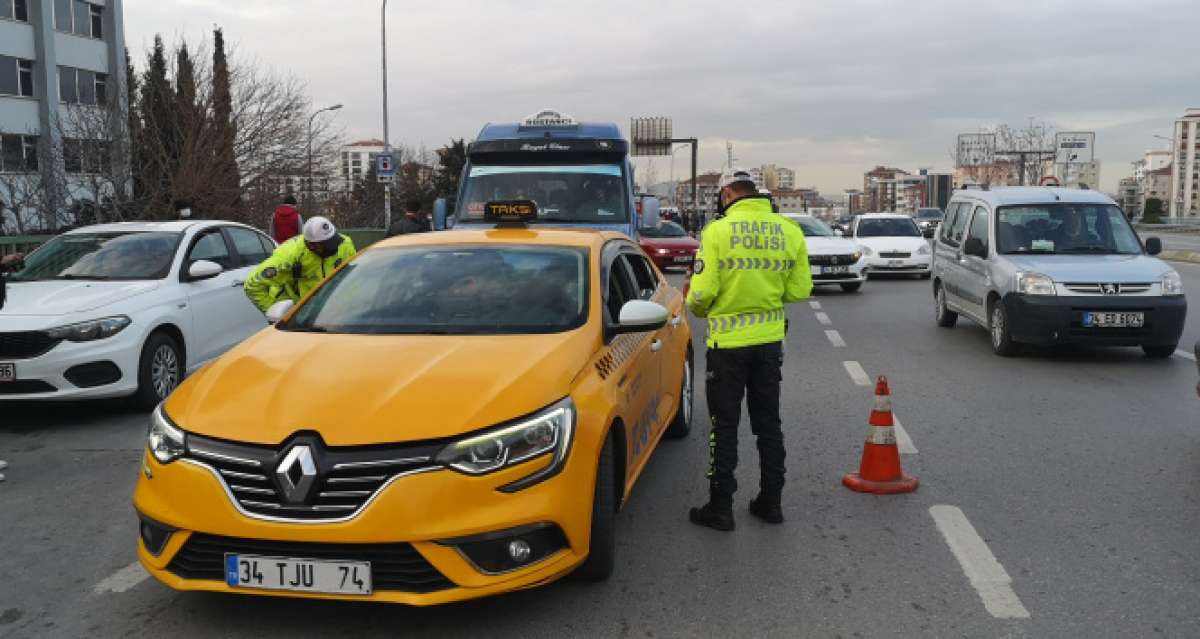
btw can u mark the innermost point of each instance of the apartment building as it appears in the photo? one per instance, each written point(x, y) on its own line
point(1185, 179)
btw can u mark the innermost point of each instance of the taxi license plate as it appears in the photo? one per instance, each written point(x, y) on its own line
point(1114, 320)
point(830, 270)
point(303, 575)
point(8, 372)
point(895, 263)
point(686, 259)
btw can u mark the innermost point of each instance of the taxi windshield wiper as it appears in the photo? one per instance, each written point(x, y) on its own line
point(93, 278)
point(304, 329)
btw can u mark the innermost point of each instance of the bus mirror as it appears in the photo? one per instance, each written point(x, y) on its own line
point(651, 209)
point(439, 214)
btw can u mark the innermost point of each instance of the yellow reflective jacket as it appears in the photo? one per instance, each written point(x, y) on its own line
point(292, 271)
point(751, 262)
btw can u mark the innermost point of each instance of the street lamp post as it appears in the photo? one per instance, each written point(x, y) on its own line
point(310, 137)
point(387, 140)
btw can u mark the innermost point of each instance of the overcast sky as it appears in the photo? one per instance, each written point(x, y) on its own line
point(830, 87)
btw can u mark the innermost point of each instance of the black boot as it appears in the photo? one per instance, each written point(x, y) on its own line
point(713, 516)
point(767, 509)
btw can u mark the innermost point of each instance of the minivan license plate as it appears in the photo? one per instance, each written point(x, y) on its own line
point(833, 270)
point(1114, 320)
point(8, 372)
point(305, 575)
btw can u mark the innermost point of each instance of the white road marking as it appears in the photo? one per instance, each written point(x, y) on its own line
point(824, 319)
point(902, 439)
point(1185, 355)
point(816, 305)
point(123, 579)
point(835, 338)
point(857, 373)
point(986, 574)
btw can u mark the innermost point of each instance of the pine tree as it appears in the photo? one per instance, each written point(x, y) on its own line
point(224, 128)
point(160, 147)
point(451, 160)
point(134, 122)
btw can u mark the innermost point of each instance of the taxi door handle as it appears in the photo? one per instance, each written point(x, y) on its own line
point(656, 346)
point(676, 321)
point(239, 283)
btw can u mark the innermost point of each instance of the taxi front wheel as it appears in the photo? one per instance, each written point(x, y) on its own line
point(602, 551)
point(681, 424)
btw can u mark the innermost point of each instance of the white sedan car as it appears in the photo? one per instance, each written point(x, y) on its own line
point(892, 244)
point(834, 260)
point(127, 309)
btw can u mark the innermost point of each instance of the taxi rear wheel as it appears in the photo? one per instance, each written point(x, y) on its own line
point(602, 551)
point(681, 424)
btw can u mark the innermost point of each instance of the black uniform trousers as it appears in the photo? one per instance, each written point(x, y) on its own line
point(756, 372)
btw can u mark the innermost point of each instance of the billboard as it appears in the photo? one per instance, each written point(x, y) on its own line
point(976, 149)
point(1074, 147)
point(650, 136)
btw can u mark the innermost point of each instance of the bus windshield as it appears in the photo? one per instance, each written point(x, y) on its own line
point(579, 193)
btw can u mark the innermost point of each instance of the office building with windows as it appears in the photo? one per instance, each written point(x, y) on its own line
point(57, 56)
point(1185, 178)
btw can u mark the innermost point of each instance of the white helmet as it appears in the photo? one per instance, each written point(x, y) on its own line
point(735, 175)
point(319, 229)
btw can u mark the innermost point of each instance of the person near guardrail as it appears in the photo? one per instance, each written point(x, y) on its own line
point(299, 264)
point(411, 222)
point(8, 263)
point(287, 221)
point(751, 263)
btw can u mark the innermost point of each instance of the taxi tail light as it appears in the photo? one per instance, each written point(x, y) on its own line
point(507, 550)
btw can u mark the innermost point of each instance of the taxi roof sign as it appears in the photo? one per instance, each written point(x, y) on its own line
point(510, 212)
point(549, 118)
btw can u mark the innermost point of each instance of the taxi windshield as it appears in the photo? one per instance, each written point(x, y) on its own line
point(580, 193)
point(812, 227)
point(665, 229)
point(452, 290)
point(888, 227)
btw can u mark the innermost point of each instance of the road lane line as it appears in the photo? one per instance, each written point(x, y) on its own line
point(816, 305)
point(902, 439)
point(835, 338)
point(857, 373)
point(824, 319)
point(123, 579)
point(1186, 355)
point(986, 574)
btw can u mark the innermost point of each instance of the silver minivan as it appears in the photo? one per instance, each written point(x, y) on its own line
point(1045, 266)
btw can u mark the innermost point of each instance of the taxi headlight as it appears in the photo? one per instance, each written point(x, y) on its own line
point(924, 250)
point(547, 432)
point(1172, 284)
point(856, 256)
point(867, 251)
point(1035, 284)
point(90, 331)
point(165, 440)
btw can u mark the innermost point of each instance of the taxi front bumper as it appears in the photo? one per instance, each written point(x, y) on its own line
point(415, 532)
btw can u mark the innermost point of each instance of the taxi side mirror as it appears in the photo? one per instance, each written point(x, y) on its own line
point(203, 270)
point(638, 316)
point(278, 310)
point(839, 232)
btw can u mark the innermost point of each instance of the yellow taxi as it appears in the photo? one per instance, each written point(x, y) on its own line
point(450, 415)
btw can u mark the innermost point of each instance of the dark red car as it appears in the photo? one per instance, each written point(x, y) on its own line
point(668, 245)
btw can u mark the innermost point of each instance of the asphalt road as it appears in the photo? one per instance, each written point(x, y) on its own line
point(1076, 473)
point(1176, 241)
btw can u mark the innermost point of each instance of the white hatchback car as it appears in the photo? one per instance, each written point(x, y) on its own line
point(127, 309)
point(893, 244)
point(834, 260)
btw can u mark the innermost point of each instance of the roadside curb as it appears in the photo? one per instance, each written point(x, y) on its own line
point(1191, 257)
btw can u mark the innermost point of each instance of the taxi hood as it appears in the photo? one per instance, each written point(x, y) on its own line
point(358, 390)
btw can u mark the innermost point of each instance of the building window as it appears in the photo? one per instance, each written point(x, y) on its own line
point(85, 156)
point(18, 153)
point(14, 10)
point(16, 76)
point(101, 89)
point(80, 86)
point(79, 17)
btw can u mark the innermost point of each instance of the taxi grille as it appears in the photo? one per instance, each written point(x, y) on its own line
point(895, 255)
point(831, 260)
point(345, 480)
point(25, 344)
point(396, 567)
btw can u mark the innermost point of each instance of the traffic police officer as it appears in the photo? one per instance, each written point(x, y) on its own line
point(299, 264)
point(751, 262)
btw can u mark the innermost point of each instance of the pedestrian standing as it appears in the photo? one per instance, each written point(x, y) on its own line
point(411, 222)
point(8, 263)
point(751, 263)
point(287, 221)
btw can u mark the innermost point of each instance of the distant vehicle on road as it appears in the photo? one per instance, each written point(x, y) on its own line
point(834, 260)
point(668, 245)
point(452, 416)
point(1054, 266)
point(892, 243)
point(928, 220)
point(127, 309)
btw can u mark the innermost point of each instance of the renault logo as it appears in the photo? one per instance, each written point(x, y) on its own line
point(296, 474)
point(1111, 289)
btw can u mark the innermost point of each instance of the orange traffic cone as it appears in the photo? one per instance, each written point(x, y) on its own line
point(880, 471)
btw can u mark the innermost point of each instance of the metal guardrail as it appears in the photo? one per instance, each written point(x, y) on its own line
point(10, 244)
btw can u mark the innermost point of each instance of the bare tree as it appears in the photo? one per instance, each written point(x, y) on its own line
point(1023, 155)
